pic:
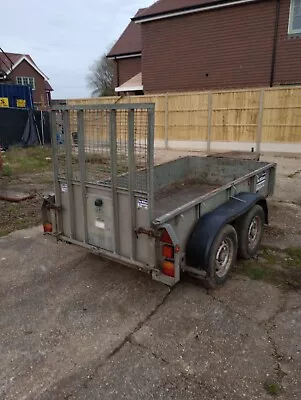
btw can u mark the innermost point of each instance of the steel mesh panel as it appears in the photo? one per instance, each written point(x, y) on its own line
point(129, 127)
point(60, 144)
point(97, 145)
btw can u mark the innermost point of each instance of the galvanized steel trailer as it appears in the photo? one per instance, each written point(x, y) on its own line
point(194, 214)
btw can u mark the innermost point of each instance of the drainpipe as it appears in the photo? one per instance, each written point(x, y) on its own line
point(275, 43)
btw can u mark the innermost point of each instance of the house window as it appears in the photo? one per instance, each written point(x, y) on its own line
point(26, 80)
point(294, 25)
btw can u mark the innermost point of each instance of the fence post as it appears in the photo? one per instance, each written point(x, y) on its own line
point(260, 119)
point(209, 121)
point(166, 123)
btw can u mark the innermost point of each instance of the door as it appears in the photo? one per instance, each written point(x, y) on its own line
point(104, 176)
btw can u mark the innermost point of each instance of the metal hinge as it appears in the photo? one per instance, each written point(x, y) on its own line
point(143, 231)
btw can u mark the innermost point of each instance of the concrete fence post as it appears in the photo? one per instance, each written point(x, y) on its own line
point(166, 123)
point(209, 122)
point(260, 120)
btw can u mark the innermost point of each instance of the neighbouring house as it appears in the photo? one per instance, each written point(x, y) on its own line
point(20, 69)
point(127, 56)
point(188, 45)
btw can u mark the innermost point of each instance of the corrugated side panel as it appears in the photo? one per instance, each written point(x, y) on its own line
point(15, 96)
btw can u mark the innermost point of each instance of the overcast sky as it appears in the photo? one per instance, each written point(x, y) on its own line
point(64, 37)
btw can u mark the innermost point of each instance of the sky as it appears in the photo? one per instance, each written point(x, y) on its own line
point(64, 37)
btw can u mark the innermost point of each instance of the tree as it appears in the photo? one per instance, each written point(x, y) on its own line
point(101, 77)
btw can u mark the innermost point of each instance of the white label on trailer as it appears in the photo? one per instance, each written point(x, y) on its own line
point(260, 181)
point(142, 203)
point(100, 224)
point(64, 187)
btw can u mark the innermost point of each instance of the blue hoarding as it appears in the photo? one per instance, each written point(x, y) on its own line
point(15, 96)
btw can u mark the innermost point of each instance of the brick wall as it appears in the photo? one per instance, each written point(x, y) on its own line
point(288, 56)
point(220, 49)
point(24, 69)
point(128, 67)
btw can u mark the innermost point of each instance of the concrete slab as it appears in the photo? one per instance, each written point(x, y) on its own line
point(15, 196)
point(135, 373)
point(286, 335)
point(63, 310)
point(75, 326)
point(205, 339)
point(254, 300)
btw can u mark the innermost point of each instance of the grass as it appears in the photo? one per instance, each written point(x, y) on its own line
point(6, 170)
point(27, 160)
point(273, 389)
point(282, 268)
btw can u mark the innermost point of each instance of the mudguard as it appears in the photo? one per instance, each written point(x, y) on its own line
point(207, 228)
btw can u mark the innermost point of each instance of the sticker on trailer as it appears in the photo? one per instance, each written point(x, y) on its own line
point(142, 203)
point(260, 181)
point(100, 224)
point(64, 187)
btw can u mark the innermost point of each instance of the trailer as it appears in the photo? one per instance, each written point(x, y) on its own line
point(193, 215)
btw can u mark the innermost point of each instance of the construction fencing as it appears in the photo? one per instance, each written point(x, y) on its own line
point(263, 119)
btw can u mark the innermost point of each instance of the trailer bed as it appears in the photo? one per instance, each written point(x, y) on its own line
point(176, 195)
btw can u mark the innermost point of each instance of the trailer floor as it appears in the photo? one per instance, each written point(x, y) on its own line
point(174, 196)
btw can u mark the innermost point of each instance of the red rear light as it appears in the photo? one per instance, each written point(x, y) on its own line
point(168, 269)
point(168, 251)
point(47, 227)
point(165, 238)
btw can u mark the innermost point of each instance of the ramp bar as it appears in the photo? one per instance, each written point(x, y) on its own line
point(68, 150)
point(55, 165)
point(113, 148)
point(82, 165)
point(132, 180)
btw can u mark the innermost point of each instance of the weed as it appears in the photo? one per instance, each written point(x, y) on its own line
point(6, 170)
point(282, 268)
point(272, 389)
point(294, 259)
point(28, 160)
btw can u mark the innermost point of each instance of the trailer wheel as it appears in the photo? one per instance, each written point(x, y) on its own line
point(249, 231)
point(222, 257)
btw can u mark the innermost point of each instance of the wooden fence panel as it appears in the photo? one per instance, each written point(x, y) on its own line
point(188, 116)
point(234, 116)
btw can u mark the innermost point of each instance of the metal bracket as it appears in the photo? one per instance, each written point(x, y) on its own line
point(143, 231)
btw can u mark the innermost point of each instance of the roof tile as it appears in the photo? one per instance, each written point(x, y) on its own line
point(130, 40)
point(165, 6)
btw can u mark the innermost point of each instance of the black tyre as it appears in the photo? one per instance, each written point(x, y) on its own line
point(249, 231)
point(223, 257)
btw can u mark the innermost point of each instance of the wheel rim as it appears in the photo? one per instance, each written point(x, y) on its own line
point(223, 258)
point(254, 232)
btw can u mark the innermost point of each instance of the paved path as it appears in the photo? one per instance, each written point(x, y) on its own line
point(73, 326)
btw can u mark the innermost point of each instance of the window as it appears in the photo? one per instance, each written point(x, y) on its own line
point(294, 25)
point(26, 80)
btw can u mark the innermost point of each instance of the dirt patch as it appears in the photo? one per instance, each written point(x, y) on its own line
point(282, 268)
point(16, 216)
point(27, 170)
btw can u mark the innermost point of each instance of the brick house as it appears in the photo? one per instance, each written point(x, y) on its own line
point(189, 45)
point(20, 69)
point(127, 55)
